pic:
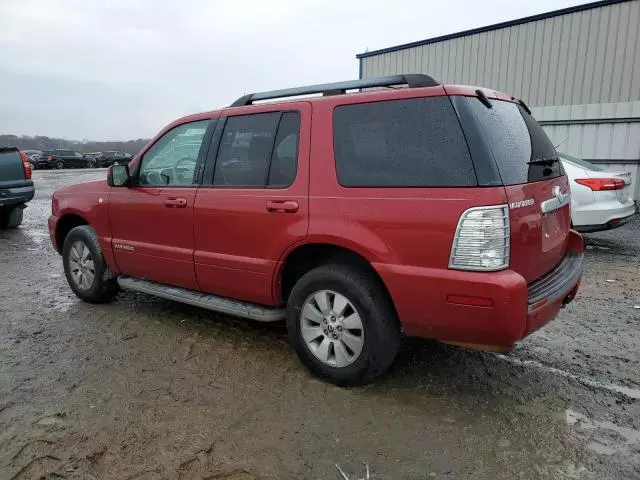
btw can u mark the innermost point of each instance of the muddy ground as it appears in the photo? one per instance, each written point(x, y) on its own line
point(149, 389)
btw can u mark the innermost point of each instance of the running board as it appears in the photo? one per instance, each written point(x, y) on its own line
point(204, 300)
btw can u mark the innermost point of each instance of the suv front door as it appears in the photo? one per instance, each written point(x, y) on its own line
point(253, 205)
point(152, 220)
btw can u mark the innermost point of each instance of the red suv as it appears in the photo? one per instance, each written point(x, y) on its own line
point(433, 211)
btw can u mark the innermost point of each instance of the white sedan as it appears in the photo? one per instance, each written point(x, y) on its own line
point(600, 199)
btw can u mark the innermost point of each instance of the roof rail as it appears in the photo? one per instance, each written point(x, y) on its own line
point(414, 80)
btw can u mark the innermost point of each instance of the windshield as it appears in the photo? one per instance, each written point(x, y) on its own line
point(580, 162)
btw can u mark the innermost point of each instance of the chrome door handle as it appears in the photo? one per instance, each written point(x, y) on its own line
point(282, 206)
point(175, 202)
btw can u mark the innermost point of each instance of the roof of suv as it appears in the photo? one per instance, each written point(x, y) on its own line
point(387, 87)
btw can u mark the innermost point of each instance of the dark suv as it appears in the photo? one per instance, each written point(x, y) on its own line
point(62, 158)
point(433, 211)
point(16, 186)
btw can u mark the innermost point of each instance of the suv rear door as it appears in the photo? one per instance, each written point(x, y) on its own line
point(253, 204)
point(536, 187)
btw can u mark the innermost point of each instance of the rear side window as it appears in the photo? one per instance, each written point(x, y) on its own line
point(258, 150)
point(284, 160)
point(401, 143)
point(521, 149)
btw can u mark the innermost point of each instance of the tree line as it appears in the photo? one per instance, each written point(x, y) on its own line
point(25, 142)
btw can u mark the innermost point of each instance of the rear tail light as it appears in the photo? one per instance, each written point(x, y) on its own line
point(27, 165)
point(600, 184)
point(482, 240)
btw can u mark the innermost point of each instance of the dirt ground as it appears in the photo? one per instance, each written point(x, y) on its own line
point(144, 388)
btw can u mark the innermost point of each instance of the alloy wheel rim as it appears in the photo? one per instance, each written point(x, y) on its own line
point(331, 328)
point(81, 266)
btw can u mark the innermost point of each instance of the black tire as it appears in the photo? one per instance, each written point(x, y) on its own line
point(11, 217)
point(105, 285)
point(382, 334)
point(59, 164)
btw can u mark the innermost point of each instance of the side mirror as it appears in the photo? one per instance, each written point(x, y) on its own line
point(118, 175)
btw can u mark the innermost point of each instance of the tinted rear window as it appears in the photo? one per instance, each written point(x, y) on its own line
point(401, 143)
point(515, 139)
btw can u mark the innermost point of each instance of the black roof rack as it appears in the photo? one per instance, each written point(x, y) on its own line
point(413, 80)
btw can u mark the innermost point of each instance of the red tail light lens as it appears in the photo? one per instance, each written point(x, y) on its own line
point(27, 165)
point(600, 184)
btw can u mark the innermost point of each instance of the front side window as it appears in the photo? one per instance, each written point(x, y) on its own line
point(258, 150)
point(172, 159)
point(401, 143)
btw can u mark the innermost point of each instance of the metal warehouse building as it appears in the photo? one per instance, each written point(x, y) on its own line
point(578, 68)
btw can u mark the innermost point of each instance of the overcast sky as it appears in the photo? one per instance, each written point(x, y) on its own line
point(121, 69)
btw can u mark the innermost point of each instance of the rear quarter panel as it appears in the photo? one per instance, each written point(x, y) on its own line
point(401, 231)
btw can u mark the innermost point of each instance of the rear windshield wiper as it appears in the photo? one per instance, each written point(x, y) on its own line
point(542, 161)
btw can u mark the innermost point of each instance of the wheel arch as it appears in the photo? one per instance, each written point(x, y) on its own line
point(305, 257)
point(64, 225)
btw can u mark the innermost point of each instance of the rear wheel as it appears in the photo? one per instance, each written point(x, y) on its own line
point(342, 324)
point(59, 164)
point(11, 218)
point(85, 268)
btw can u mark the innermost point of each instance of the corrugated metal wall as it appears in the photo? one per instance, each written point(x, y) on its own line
point(585, 57)
point(604, 131)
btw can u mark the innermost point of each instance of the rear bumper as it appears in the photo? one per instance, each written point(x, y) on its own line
point(608, 215)
point(16, 195)
point(609, 225)
point(489, 309)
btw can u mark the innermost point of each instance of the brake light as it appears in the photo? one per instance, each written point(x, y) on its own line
point(27, 166)
point(482, 239)
point(600, 184)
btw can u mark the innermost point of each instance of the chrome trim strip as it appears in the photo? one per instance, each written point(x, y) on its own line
point(558, 201)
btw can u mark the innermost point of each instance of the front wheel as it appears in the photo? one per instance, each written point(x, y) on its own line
point(85, 268)
point(342, 324)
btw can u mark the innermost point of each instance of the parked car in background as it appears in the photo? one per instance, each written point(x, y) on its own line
point(92, 157)
point(62, 158)
point(44, 160)
point(600, 199)
point(432, 211)
point(106, 159)
point(16, 186)
point(32, 155)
